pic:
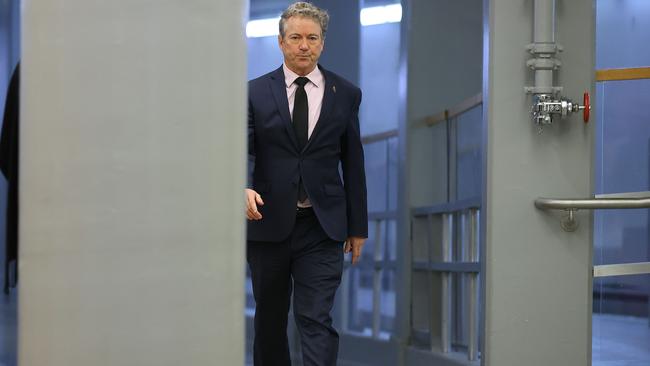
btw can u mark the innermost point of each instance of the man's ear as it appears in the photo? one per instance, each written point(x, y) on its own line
point(280, 40)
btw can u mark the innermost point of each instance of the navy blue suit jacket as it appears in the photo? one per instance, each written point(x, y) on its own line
point(276, 164)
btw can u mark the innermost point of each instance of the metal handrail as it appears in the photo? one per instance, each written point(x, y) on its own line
point(613, 201)
point(592, 203)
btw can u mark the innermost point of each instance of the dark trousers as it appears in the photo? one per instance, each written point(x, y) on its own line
point(311, 264)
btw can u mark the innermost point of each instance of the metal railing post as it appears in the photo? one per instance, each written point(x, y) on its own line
point(447, 246)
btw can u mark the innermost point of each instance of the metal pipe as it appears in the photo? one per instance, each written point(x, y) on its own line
point(463, 324)
point(591, 203)
point(544, 27)
point(376, 283)
point(446, 308)
point(430, 277)
point(472, 344)
point(544, 33)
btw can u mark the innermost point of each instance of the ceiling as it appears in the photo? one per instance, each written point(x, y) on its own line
point(270, 8)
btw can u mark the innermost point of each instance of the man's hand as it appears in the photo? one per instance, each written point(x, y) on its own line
point(354, 245)
point(252, 200)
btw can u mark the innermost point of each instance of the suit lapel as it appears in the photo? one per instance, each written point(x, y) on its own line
point(329, 99)
point(279, 89)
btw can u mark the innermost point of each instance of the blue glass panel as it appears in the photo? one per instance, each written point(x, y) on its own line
point(622, 33)
point(376, 175)
point(391, 240)
point(621, 332)
point(379, 77)
point(264, 56)
point(250, 300)
point(387, 302)
point(368, 252)
point(393, 172)
point(623, 136)
point(622, 165)
point(468, 153)
point(360, 296)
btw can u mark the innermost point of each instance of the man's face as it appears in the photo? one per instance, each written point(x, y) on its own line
point(302, 44)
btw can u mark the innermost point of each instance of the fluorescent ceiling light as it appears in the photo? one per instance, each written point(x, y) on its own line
point(369, 16)
point(381, 14)
point(262, 27)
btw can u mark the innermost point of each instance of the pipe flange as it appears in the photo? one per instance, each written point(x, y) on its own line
point(545, 90)
point(543, 64)
point(569, 222)
point(544, 48)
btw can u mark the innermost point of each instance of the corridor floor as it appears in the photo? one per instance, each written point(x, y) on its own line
point(617, 340)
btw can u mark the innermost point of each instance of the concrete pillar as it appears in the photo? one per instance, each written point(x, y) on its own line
point(537, 277)
point(9, 54)
point(132, 170)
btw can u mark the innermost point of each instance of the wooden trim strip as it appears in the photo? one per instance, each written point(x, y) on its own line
point(633, 73)
point(452, 112)
point(623, 269)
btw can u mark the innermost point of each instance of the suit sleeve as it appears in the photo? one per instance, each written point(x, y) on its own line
point(354, 174)
point(9, 136)
point(251, 145)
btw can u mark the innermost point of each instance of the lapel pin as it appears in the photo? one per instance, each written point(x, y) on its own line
point(334, 88)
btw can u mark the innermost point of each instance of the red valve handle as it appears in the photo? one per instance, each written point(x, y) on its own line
point(585, 112)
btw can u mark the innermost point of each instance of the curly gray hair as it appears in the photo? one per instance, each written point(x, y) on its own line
point(305, 10)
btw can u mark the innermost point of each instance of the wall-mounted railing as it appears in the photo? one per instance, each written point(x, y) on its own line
point(569, 223)
point(366, 277)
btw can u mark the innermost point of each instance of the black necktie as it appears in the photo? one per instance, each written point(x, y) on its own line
point(301, 123)
point(301, 112)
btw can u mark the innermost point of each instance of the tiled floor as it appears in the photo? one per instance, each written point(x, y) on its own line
point(617, 340)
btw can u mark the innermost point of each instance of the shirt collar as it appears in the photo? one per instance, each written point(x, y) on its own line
point(315, 77)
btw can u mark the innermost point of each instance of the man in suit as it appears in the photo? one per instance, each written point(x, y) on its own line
point(302, 124)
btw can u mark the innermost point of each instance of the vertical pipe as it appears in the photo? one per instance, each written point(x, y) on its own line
point(544, 79)
point(462, 305)
point(544, 21)
point(544, 33)
point(430, 298)
point(447, 238)
point(486, 126)
point(472, 345)
point(376, 283)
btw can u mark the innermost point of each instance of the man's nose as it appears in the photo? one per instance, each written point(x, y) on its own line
point(303, 44)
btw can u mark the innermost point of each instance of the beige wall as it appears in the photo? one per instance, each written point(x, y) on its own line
point(132, 173)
